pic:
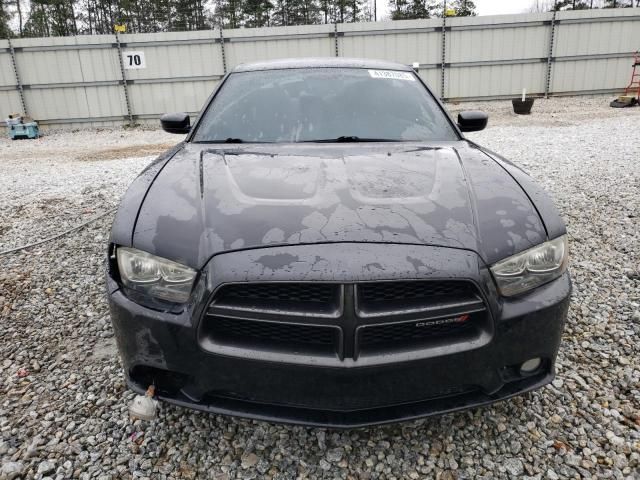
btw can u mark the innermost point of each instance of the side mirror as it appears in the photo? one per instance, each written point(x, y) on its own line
point(472, 120)
point(175, 122)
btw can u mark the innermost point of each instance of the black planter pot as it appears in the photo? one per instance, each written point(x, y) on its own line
point(522, 108)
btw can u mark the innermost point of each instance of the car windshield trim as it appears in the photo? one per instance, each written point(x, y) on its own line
point(394, 68)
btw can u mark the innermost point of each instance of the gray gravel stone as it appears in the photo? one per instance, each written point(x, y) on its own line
point(45, 467)
point(551, 474)
point(335, 455)
point(249, 460)
point(514, 467)
point(11, 470)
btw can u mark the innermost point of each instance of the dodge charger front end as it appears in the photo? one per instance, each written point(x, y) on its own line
point(326, 248)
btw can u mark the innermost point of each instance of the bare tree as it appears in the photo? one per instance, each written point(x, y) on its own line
point(19, 12)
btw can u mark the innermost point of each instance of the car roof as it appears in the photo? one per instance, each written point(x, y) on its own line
point(320, 62)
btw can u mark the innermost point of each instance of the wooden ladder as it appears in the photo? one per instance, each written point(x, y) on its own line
point(633, 89)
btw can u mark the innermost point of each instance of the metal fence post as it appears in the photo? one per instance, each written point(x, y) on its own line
point(124, 81)
point(552, 36)
point(17, 75)
point(224, 58)
point(444, 52)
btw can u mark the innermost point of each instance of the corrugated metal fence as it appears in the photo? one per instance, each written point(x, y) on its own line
point(80, 80)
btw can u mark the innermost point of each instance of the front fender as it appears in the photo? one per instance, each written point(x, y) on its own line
point(127, 214)
point(553, 223)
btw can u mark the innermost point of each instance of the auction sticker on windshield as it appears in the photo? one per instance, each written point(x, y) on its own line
point(392, 74)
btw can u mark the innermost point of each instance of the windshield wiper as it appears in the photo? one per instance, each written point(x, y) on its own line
point(351, 139)
point(226, 140)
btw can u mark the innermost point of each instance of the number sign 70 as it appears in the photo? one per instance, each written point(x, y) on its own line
point(133, 60)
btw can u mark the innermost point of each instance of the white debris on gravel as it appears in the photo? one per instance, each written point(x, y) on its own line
point(63, 402)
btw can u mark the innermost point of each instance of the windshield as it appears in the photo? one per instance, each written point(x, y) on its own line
point(323, 104)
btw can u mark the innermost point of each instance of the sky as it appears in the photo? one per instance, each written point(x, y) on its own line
point(502, 7)
point(483, 7)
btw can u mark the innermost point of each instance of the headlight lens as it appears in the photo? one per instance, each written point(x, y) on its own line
point(531, 268)
point(155, 276)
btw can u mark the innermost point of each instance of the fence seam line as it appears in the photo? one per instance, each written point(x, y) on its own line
point(444, 53)
point(17, 75)
point(124, 81)
point(552, 35)
point(224, 56)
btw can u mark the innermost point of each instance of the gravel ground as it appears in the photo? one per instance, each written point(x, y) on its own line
point(63, 402)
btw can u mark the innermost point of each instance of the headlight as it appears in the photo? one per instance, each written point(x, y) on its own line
point(531, 268)
point(155, 276)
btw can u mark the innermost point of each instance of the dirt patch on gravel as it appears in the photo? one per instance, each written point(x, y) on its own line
point(12, 284)
point(89, 145)
point(124, 152)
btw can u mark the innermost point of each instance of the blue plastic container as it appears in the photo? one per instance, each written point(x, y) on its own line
point(23, 130)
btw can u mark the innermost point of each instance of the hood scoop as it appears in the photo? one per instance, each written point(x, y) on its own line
point(368, 179)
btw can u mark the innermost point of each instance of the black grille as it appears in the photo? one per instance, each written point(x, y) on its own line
point(388, 299)
point(233, 330)
point(299, 299)
point(341, 320)
point(278, 292)
point(434, 291)
point(405, 334)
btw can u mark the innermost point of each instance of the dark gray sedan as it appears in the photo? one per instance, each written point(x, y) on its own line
point(327, 248)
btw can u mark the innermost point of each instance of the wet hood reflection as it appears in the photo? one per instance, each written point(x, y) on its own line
point(210, 199)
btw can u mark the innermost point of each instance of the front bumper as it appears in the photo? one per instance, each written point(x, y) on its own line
point(163, 348)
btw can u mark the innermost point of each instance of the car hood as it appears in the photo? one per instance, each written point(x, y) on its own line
point(210, 200)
